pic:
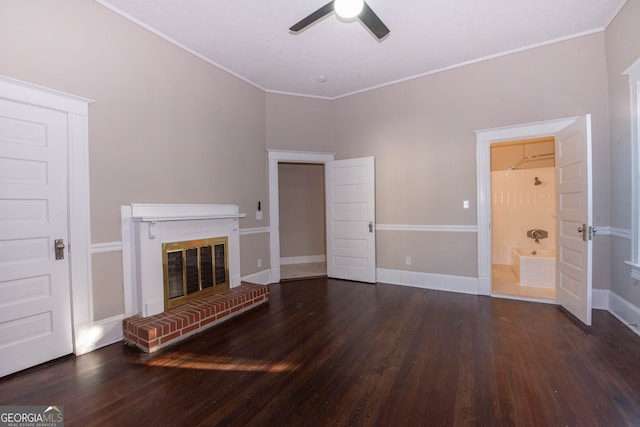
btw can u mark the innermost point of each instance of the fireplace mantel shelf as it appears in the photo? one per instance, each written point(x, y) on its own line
point(148, 218)
point(176, 212)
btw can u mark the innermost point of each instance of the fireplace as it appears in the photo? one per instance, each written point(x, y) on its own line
point(148, 228)
point(194, 268)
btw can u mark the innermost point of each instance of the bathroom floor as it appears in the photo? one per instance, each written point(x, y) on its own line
point(505, 282)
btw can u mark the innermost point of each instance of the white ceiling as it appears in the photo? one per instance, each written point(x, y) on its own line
point(251, 38)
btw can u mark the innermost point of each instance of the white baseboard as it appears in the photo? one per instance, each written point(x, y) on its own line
point(261, 277)
point(626, 312)
point(94, 335)
point(600, 299)
point(440, 282)
point(302, 259)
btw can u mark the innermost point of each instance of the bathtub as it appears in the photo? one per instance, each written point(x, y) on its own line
point(534, 267)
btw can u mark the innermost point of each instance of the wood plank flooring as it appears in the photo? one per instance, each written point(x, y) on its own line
point(325, 352)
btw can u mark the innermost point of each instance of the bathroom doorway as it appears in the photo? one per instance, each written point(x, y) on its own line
point(523, 218)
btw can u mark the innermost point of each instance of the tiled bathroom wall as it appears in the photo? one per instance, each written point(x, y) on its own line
point(519, 205)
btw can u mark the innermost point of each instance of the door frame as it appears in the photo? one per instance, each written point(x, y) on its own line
point(484, 139)
point(275, 157)
point(79, 239)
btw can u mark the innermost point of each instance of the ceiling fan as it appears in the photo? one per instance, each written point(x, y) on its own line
point(346, 9)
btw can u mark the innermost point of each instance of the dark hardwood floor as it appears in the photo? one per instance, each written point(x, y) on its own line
point(333, 353)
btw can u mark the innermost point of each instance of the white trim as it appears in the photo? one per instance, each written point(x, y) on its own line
point(302, 259)
point(260, 278)
point(623, 233)
point(129, 271)
point(101, 248)
point(484, 138)
point(275, 157)
point(41, 96)
point(440, 282)
point(184, 212)
point(255, 230)
point(626, 312)
point(80, 220)
point(635, 270)
point(435, 228)
point(94, 335)
point(633, 73)
point(77, 109)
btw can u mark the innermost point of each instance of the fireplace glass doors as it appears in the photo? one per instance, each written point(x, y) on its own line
point(194, 268)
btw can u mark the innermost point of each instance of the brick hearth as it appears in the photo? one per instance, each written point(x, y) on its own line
point(154, 332)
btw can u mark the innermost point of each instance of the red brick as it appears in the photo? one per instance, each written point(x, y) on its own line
point(169, 337)
point(190, 328)
point(207, 320)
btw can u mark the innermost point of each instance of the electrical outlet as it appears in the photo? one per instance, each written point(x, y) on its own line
point(259, 262)
point(407, 260)
point(465, 204)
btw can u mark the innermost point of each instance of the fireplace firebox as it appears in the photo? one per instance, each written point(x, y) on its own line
point(194, 268)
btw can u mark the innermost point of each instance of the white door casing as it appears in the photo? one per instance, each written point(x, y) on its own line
point(574, 219)
point(275, 157)
point(484, 139)
point(350, 217)
point(35, 302)
point(76, 110)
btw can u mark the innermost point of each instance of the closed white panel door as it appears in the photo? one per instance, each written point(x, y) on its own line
point(35, 312)
point(574, 257)
point(350, 205)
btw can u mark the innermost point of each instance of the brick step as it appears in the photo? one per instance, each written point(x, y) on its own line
point(155, 332)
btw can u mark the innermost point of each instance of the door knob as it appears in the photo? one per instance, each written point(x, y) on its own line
point(58, 244)
point(583, 231)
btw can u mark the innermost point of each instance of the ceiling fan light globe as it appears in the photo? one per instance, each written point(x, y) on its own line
point(348, 9)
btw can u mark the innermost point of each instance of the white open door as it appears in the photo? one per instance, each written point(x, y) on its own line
point(35, 305)
point(351, 219)
point(574, 225)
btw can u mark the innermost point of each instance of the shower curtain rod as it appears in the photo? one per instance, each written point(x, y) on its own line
point(535, 156)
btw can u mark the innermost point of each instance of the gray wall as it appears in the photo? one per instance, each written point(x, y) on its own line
point(421, 133)
point(166, 127)
point(169, 127)
point(301, 194)
point(623, 49)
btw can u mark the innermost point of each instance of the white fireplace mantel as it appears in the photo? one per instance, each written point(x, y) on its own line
point(157, 213)
point(147, 226)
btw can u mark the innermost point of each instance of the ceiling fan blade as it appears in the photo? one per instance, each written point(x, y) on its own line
point(318, 14)
point(372, 22)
